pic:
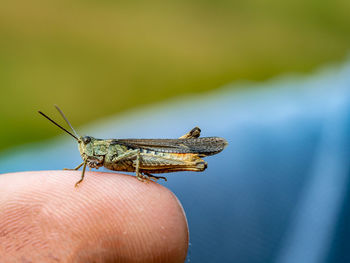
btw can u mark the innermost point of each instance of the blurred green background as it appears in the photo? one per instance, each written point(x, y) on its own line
point(98, 58)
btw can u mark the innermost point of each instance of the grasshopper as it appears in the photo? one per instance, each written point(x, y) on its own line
point(144, 156)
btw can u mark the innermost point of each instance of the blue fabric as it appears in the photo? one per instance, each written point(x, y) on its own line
point(277, 193)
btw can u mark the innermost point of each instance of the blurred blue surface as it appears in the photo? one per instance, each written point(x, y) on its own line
point(277, 193)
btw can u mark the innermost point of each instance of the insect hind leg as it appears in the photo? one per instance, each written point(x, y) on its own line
point(194, 133)
point(154, 177)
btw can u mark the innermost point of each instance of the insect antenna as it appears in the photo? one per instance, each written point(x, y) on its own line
point(65, 118)
point(75, 137)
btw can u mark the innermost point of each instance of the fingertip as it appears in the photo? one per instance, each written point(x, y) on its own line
point(109, 215)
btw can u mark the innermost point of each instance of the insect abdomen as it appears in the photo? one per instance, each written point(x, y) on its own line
point(171, 162)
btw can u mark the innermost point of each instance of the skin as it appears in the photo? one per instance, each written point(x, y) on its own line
point(109, 218)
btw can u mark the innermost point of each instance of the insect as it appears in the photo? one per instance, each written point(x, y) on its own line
point(144, 156)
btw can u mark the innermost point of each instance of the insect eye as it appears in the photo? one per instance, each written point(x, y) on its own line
point(86, 139)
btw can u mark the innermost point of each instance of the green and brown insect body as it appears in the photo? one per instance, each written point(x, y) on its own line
point(146, 156)
point(124, 155)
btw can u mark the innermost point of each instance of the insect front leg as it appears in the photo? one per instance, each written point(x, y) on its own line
point(92, 163)
point(76, 168)
point(82, 175)
point(95, 161)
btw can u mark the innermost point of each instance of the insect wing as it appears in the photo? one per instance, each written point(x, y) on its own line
point(204, 146)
